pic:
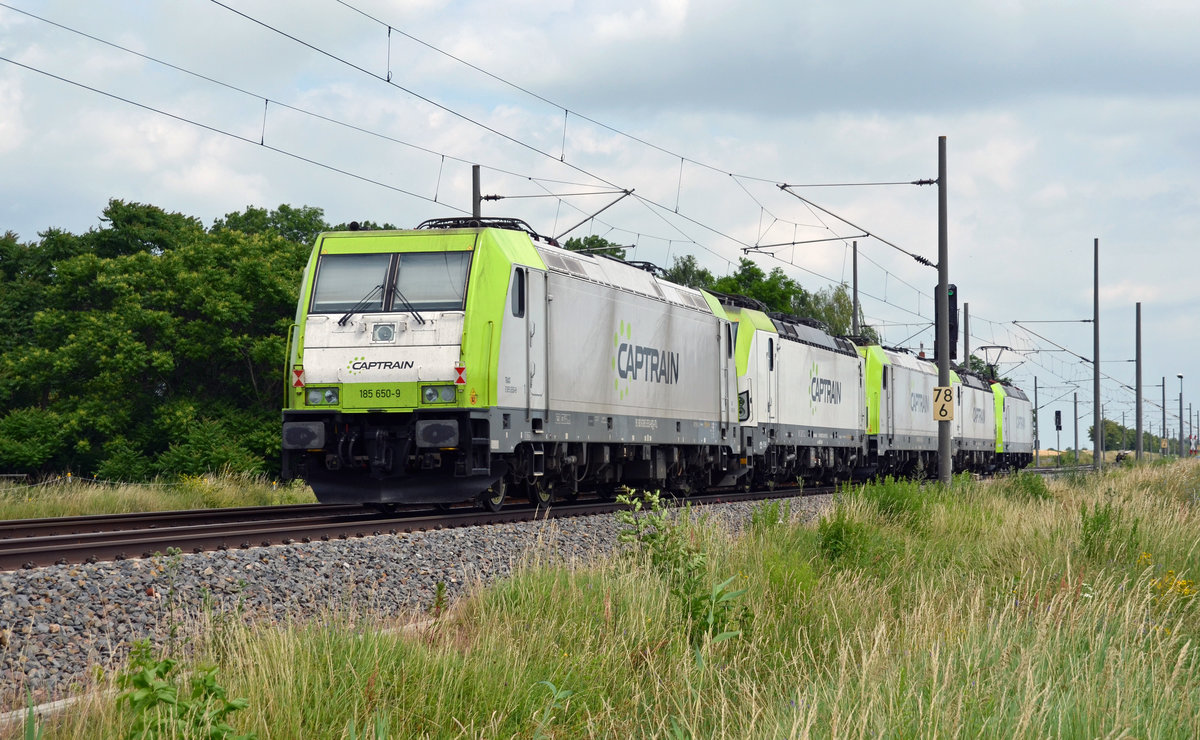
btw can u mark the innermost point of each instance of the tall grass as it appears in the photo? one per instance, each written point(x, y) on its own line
point(994, 609)
point(71, 496)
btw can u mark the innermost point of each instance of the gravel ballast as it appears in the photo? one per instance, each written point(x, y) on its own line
point(59, 624)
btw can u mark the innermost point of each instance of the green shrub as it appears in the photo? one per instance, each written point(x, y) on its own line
point(900, 501)
point(1025, 486)
point(124, 461)
point(840, 536)
point(29, 438)
point(1103, 536)
point(208, 446)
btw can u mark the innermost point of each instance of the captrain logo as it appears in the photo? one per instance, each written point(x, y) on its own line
point(361, 364)
point(822, 390)
point(636, 362)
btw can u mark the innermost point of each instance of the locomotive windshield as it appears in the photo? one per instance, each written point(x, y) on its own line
point(428, 281)
point(343, 280)
point(433, 281)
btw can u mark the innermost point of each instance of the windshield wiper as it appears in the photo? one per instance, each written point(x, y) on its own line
point(408, 306)
point(358, 306)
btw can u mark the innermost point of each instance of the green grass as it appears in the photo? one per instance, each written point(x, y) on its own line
point(69, 496)
point(997, 609)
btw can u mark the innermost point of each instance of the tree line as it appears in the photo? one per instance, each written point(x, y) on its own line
point(1117, 437)
point(153, 345)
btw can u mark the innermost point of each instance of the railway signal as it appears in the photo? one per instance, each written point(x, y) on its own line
point(952, 314)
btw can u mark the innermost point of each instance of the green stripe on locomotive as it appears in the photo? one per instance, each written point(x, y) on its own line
point(874, 359)
point(751, 318)
point(998, 396)
point(487, 302)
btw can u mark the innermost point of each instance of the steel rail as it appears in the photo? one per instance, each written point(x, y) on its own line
point(146, 534)
point(11, 528)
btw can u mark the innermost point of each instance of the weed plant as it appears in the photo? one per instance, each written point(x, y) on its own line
point(1024, 486)
point(705, 611)
point(1105, 535)
point(158, 710)
point(900, 501)
point(1004, 613)
point(769, 515)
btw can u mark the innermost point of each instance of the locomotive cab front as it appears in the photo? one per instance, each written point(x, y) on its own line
point(389, 379)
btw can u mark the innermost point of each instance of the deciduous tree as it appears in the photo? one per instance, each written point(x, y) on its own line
point(147, 342)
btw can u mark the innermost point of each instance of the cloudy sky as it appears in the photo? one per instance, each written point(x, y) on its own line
point(1066, 121)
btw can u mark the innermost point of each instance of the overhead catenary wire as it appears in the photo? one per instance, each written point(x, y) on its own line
point(787, 188)
point(468, 119)
point(513, 139)
point(441, 155)
point(214, 129)
point(278, 103)
point(593, 121)
point(419, 96)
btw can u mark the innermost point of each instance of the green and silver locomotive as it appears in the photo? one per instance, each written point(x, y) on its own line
point(472, 359)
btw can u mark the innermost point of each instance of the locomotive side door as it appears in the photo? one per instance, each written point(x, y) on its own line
point(772, 379)
point(536, 331)
point(726, 368)
point(888, 426)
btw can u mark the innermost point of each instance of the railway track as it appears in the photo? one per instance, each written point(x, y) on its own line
point(32, 543)
point(1062, 469)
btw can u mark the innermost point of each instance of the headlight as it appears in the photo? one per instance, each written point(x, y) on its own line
point(437, 393)
point(383, 332)
point(321, 397)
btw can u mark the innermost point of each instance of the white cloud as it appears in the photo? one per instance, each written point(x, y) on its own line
point(649, 21)
point(12, 126)
point(1129, 292)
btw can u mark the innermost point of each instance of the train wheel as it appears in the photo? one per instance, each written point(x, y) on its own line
point(541, 492)
point(493, 498)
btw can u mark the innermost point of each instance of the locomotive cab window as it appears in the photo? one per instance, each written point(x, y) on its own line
point(518, 292)
point(345, 281)
point(432, 281)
